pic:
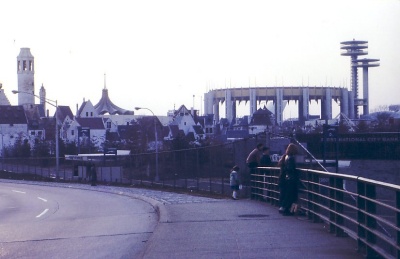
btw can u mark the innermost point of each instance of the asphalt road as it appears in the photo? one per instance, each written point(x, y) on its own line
point(49, 222)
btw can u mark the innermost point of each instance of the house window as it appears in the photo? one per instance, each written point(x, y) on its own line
point(32, 133)
point(108, 125)
point(40, 133)
point(184, 123)
point(72, 132)
point(91, 114)
point(87, 114)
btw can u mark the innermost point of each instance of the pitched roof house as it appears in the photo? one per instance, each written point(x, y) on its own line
point(86, 131)
point(13, 123)
point(87, 110)
point(185, 120)
point(261, 120)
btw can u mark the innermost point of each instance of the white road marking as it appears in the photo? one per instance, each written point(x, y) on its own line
point(41, 214)
point(18, 191)
point(42, 199)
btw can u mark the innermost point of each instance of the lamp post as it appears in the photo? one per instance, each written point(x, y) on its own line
point(156, 136)
point(2, 148)
point(54, 104)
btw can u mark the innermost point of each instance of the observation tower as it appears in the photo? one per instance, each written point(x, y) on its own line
point(354, 49)
point(365, 64)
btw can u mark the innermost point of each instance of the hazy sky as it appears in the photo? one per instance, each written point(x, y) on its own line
point(159, 53)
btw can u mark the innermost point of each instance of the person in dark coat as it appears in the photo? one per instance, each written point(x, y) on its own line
point(266, 162)
point(288, 180)
point(93, 174)
point(252, 161)
point(265, 158)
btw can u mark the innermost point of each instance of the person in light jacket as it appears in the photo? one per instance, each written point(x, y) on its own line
point(234, 181)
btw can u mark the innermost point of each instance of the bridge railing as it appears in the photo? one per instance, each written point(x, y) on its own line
point(366, 210)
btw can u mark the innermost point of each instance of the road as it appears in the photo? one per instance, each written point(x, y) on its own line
point(49, 222)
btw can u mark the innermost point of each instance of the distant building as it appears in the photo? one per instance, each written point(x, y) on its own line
point(186, 121)
point(13, 124)
point(261, 120)
point(26, 78)
point(106, 106)
point(3, 98)
point(87, 110)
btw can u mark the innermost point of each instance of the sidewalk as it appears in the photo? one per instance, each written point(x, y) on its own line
point(241, 229)
point(201, 227)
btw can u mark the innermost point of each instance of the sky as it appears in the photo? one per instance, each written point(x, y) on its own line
point(161, 54)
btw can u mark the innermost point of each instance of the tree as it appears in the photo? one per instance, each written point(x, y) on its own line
point(382, 121)
point(41, 148)
point(362, 127)
point(21, 147)
point(70, 148)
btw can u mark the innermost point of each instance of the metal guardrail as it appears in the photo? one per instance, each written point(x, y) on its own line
point(366, 210)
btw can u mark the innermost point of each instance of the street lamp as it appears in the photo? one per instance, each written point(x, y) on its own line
point(54, 104)
point(156, 136)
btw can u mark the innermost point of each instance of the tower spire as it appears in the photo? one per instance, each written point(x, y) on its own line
point(105, 81)
point(26, 76)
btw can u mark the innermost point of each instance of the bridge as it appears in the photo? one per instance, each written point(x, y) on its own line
point(361, 215)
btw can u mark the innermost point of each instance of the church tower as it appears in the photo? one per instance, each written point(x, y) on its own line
point(42, 96)
point(26, 71)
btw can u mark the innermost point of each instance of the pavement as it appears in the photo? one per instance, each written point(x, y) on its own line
point(202, 227)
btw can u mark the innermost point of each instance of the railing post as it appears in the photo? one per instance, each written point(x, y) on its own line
point(313, 208)
point(338, 207)
point(332, 202)
point(268, 185)
point(366, 222)
point(222, 185)
point(361, 216)
point(371, 222)
point(309, 195)
point(398, 223)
